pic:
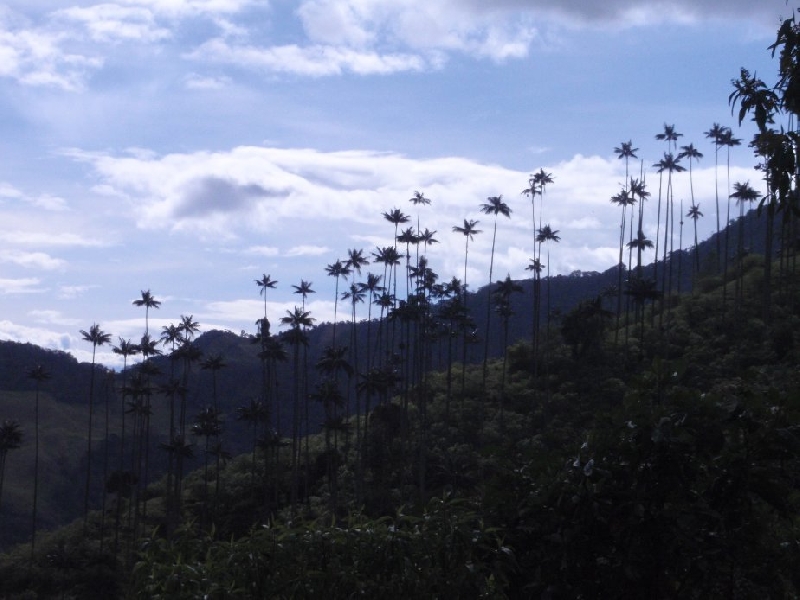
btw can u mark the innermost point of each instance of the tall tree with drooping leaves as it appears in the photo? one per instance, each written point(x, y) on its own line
point(297, 320)
point(715, 134)
point(777, 148)
point(495, 206)
point(692, 154)
point(97, 337)
point(744, 194)
point(623, 199)
point(545, 235)
point(694, 214)
point(337, 270)
point(265, 283)
point(727, 141)
point(469, 231)
point(10, 439)
point(39, 375)
point(148, 301)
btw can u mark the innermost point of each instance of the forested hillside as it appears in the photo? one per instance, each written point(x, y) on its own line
point(640, 441)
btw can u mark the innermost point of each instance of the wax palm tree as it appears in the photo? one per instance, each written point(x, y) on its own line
point(265, 283)
point(754, 97)
point(355, 295)
point(148, 301)
point(97, 337)
point(171, 335)
point(408, 237)
point(214, 363)
point(641, 290)
point(208, 424)
point(304, 289)
point(39, 375)
point(728, 141)
point(542, 179)
point(337, 269)
point(744, 194)
point(254, 413)
point(494, 205)
point(715, 134)
point(624, 199)
point(626, 151)
point(397, 218)
point(543, 235)
point(189, 327)
point(669, 135)
point(693, 155)
point(10, 439)
point(273, 352)
point(502, 300)
point(670, 164)
point(297, 320)
point(536, 268)
point(372, 287)
point(640, 243)
point(333, 361)
point(469, 231)
point(328, 394)
point(638, 190)
point(390, 259)
point(694, 214)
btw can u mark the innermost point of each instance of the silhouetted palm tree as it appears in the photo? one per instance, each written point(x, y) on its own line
point(265, 283)
point(10, 439)
point(728, 141)
point(148, 301)
point(39, 375)
point(469, 231)
point(694, 214)
point(546, 234)
point(337, 269)
point(97, 337)
point(494, 205)
point(715, 134)
point(743, 193)
point(208, 424)
point(624, 199)
point(214, 362)
point(297, 320)
point(502, 301)
point(254, 413)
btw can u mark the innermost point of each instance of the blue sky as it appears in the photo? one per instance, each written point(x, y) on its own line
point(191, 146)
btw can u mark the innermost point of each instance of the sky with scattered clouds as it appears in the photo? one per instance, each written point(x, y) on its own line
point(191, 146)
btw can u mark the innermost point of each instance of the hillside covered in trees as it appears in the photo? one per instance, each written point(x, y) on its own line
point(642, 441)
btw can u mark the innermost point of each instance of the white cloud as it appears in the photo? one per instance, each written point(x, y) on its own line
point(314, 61)
point(20, 286)
point(47, 202)
point(31, 260)
point(262, 251)
point(113, 22)
point(70, 292)
point(38, 238)
point(193, 81)
point(37, 57)
point(307, 251)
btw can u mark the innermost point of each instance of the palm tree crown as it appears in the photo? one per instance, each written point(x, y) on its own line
point(468, 229)
point(494, 205)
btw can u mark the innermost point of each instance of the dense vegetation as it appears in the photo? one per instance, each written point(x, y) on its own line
point(643, 443)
